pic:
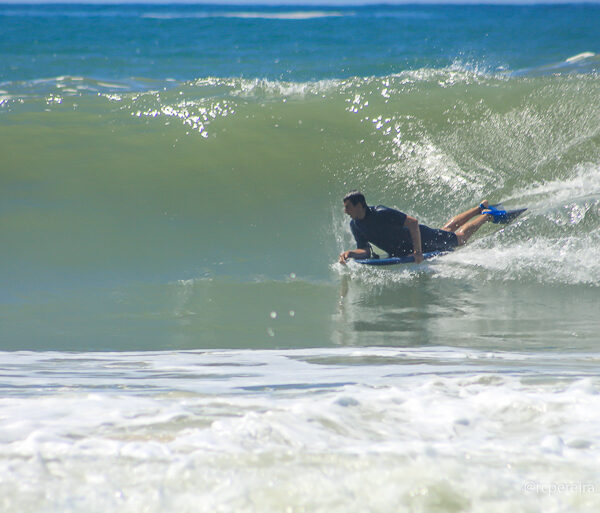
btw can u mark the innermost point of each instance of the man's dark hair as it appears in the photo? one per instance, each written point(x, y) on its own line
point(356, 197)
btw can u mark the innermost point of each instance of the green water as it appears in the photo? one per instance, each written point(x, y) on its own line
point(186, 218)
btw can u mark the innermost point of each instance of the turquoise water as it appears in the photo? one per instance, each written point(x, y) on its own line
point(176, 332)
point(188, 42)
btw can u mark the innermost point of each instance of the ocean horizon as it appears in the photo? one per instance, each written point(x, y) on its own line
point(305, 3)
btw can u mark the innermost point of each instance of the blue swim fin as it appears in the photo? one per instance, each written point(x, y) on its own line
point(500, 215)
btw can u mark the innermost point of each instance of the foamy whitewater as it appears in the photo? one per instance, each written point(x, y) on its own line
point(337, 429)
point(176, 334)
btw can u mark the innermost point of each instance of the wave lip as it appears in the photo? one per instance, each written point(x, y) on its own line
point(582, 63)
point(580, 57)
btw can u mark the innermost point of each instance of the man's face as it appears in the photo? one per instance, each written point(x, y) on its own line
point(354, 211)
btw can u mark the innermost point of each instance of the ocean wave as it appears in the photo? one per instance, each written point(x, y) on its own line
point(265, 15)
point(243, 178)
point(459, 73)
point(581, 63)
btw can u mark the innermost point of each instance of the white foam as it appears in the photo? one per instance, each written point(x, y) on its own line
point(277, 89)
point(333, 428)
point(580, 57)
point(266, 15)
point(111, 85)
point(581, 185)
point(298, 15)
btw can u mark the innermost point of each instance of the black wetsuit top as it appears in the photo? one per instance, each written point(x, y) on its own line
point(385, 228)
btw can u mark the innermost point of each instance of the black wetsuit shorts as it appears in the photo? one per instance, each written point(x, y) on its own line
point(431, 240)
point(436, 240)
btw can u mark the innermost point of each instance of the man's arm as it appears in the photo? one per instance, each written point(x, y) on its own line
point(363, 248)
point(415, 234)
point(359, 254)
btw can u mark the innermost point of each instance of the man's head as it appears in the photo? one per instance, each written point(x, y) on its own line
point(355, 205)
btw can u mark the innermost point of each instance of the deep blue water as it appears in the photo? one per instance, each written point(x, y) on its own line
point(185, 42)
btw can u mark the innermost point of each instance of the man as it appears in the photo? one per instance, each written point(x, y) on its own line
point(399, 234)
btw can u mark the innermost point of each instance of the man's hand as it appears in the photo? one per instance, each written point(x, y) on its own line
point(418, 257)
point(356, 253)
point(344, 257)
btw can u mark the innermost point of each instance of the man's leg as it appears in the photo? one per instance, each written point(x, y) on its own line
point(468, 229)
point(457, 221)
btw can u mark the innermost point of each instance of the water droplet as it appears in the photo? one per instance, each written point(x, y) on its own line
point(273, 315)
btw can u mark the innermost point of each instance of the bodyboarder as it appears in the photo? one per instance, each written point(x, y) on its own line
point(400, 234)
